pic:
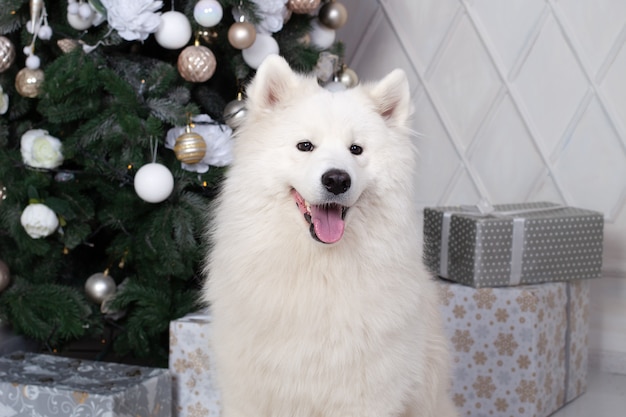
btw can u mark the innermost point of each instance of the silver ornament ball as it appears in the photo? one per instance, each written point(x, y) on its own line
point(3, 193)
point(333, 15)
point(5, 276)
point(7, 53)
point(235, 113)
point(99, 287)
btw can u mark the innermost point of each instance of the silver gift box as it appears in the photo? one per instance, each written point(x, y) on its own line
point(526, 243)
point(46, 385)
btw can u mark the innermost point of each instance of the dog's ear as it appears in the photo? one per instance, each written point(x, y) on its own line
point(274, 82)
point(391, 97)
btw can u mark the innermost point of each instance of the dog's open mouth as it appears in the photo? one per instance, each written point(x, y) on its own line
point(326, 220)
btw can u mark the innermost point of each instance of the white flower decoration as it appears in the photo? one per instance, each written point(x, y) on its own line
point(4, 101)
point(40, 150)
point(39, 220)
point(219, 146)
point(133, 19)
point(271, 12)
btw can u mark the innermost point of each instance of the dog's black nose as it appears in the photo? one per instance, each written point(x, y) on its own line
point(336, 181)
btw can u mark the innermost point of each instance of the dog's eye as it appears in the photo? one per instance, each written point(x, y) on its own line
point(305, 146)
point(356, 150)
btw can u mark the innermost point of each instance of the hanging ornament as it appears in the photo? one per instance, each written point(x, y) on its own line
point(5, 275)
point(105, 306)
point(333, 15)
point(208, 13)
point(7, 53)
point(303, 6)
point(263, 46)
point(45, 32)
point(235, 112)
point(321, 36)
point(28, 82)
point(348, 77)
point(196, 63)
point(241, 35)
point(190, 147)
point(82, 15)
point(174, 32)
point(3, 193)
point(36, 9)
point(78, 22)
point(4, 101)
point(154, 183)
point(99, 287)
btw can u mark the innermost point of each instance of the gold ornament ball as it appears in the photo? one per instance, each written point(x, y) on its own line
point(99, 287)
point(303, 6)
point(349, 78)
point(196, 63)
point(7, 53)
point(28, 82)
point(333, 15)
point(5, 276)
point(190, 148)
point(241, 35)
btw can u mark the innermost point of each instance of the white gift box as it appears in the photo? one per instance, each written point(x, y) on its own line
point(190, 363)
point(517, 351)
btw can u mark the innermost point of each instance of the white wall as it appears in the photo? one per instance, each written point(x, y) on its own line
point(517, 100)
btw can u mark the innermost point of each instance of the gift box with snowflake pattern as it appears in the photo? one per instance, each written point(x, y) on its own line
point(190, 363)
point(517, 351)
point(45, 385)
point(513, 244)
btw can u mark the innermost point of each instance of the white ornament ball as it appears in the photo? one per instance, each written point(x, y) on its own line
point(29, 27)
point(72, 8)
point(99, 287)
point(208, 13)
point(45, 33)
point(174, 32)
point(33, 62)
point(322, 36)
point(154, 183)
point(79, 23)
point(263, 46)
point(85, 11)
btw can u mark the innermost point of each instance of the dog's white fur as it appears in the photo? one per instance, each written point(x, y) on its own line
point(307, 329)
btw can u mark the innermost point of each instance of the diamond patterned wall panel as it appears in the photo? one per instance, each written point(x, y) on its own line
point(516, 101)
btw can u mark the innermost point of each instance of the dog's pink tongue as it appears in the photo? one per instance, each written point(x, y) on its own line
point(327, 222)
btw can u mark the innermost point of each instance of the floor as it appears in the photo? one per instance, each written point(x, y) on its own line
point(605, 397)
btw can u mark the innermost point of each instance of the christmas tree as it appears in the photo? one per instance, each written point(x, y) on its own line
point(115, 130)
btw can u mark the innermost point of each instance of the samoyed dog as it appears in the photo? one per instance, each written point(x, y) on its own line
point(320, 304)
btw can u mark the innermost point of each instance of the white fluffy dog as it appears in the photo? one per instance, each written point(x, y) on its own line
point(320, 304)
